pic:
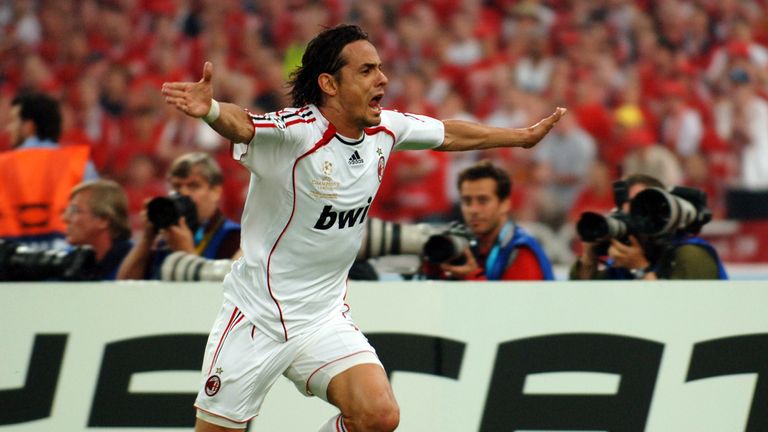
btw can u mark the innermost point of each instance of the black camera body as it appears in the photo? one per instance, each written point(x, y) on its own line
point(165, 211)
point(21, 263)
point(449, 246)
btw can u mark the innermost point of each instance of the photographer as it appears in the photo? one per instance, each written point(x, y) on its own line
point(631, 250)
point(499, 250)
point(97, 216)
point(189, 220)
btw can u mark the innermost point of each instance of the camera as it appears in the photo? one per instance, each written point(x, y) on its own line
point(653, 212)
point(390, 238)
point(165, 211)
point(22, 263)
point(594, 227)
point(436, 243)
point(449, 246)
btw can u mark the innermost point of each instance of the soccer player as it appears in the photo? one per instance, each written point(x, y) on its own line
point(315, 170)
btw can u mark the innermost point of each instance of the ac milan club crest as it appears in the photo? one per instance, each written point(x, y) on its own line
point(381, 167)
point(213, 385)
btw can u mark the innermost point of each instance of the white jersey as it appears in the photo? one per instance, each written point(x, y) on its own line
point(308, 198)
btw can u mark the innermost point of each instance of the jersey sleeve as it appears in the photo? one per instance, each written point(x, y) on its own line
point(275, 140)
point(414, 131)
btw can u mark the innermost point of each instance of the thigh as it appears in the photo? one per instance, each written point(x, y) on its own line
point(240, 366)
point(363, 388)
point(329, 351)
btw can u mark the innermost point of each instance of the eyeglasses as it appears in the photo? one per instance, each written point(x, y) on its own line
point(72, 210)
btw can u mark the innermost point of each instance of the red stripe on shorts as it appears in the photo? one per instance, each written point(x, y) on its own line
point(233, 320)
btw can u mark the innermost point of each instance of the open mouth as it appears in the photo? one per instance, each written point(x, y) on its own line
point(375, 103)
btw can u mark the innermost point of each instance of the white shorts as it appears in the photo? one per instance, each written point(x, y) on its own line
point(241, 364)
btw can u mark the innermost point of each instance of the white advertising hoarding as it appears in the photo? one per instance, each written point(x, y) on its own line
point(663, 356)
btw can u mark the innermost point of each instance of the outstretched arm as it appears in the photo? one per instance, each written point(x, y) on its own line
point(462, 135)
point(195, 99)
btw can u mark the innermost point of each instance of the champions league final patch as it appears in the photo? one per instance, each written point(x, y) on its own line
point(213, 385)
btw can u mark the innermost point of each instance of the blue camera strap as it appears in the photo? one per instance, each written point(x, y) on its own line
point(491, 263)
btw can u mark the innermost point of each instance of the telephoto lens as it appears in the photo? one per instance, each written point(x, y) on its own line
point(383, 238)
point(183, 266)
point(659, 212)
point(594, 227)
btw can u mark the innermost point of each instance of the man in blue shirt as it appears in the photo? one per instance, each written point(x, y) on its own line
point(198, 177)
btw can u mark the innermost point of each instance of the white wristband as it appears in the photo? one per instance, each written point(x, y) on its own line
point(213, 113)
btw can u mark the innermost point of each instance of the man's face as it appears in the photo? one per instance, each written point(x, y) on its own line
point(482, 209)
point(197, 188)
point(83, 227)
point(17, 128)
point(361, 84)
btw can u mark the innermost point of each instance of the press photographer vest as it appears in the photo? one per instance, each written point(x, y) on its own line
point(210, 247)
point(502, 253)
point(698, 241)
point(35, 185)
point(618, 273)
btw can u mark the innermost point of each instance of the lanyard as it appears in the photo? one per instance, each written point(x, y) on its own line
point(202, 241)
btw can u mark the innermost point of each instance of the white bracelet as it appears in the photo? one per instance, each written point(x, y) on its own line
point(213, 113)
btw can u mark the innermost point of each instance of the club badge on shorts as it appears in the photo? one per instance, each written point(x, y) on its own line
point(213, 385)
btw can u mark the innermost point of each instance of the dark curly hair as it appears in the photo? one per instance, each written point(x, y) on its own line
point(323, 55)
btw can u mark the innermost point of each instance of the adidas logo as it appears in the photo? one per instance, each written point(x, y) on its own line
point(355, 159)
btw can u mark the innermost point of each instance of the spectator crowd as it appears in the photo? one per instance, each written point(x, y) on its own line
point(672, 88)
